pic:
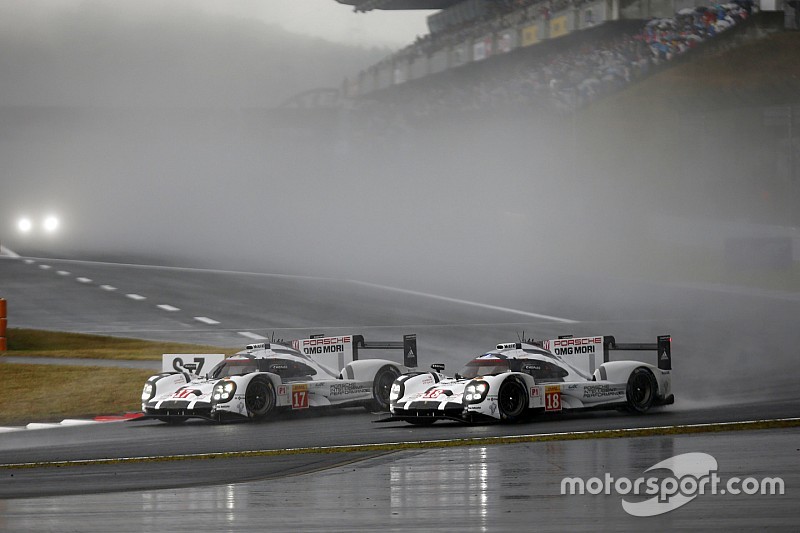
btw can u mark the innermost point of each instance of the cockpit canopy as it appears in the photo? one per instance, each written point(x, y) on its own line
point(287, 368)
point(542, 366)
point(233, 367)
point(483, 366)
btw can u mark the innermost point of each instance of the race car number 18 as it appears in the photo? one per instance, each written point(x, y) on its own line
point(300, 397)
point(552, 398)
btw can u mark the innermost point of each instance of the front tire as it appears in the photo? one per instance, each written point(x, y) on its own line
point(381, 387)
point(641, 390)
point(260, 397)
point(512, 400)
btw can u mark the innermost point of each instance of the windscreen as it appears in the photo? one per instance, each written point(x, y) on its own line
point(484, 367)
point(233, 367)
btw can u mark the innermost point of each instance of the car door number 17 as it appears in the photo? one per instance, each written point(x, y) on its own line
point(300, 397)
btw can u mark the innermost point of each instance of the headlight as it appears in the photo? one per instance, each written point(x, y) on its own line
point(223, 391)
point(398, 389)
point(148, 391)
point(476, 391)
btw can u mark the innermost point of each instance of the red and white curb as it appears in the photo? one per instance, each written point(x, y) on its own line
point(69, 422)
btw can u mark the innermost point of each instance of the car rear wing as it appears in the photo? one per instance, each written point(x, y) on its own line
point(663, 347)
point(408, 345)
point(336, 352)
point(582, 352)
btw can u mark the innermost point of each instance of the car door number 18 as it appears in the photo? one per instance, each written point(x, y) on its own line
point(552, 399)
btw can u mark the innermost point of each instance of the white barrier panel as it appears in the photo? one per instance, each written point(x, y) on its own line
point(194, 363)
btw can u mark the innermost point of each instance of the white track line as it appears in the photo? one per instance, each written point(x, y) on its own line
point(62, 273)
point(467, 302)
point(206, 320)
point(10, 253)
point(253, 336)
point(108, 288)
point(166, 307)
point(137, 297)
point(45, 267)
point(83, 280)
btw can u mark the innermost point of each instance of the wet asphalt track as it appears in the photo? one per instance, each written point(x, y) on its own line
point(481, 488)
point(752, 332)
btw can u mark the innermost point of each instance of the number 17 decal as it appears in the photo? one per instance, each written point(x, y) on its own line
point(300, 396)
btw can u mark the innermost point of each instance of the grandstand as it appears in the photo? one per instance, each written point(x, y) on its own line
point(469, 32)
point(518, 76)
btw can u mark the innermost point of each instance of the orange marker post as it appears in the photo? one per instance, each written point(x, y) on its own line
point(3, 325)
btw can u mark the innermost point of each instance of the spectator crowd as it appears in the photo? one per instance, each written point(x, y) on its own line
point(565, 80)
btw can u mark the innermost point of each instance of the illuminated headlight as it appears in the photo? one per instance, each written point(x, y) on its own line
point(148, 391)
point(476, 391)
point(223, 391)
point(398, 389)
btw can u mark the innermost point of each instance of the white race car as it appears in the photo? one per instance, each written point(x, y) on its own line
point(520, 378)
point(265, 377)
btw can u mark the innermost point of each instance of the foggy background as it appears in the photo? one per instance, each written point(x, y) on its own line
point(154, 130)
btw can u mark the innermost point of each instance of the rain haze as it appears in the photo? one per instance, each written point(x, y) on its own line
point(166, 132)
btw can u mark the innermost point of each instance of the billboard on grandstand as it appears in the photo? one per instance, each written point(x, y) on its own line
point(482, 48)
point(505, 42)
point(530, 35)
point(558, 26)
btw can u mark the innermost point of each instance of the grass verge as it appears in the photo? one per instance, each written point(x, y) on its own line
point(50, 393)
point(47, 393)
point(37, 343)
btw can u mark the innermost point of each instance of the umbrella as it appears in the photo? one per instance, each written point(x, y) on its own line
point(686, 11)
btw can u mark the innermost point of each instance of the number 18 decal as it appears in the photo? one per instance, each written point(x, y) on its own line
point(300, 397)
point(552, 398)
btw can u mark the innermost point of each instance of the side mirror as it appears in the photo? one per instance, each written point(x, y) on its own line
point(438, 367)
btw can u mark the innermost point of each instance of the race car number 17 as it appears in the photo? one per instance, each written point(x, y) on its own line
point(552, 398)
point(300, 396)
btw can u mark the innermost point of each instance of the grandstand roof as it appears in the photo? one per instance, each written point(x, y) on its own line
point(369, 5)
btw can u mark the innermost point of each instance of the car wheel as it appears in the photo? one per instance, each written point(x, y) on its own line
point(641, 390)
point(381, 387)
point(259, 397)
point(512, 400)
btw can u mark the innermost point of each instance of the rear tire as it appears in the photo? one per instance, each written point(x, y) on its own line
point(381, 387)
point(641, 390)
point(512, 400)
point(260, 397)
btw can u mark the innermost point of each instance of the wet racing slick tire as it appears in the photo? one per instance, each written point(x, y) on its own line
point(512, 400)
point(641, 390)
point(259, 398)
point(381, 387)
